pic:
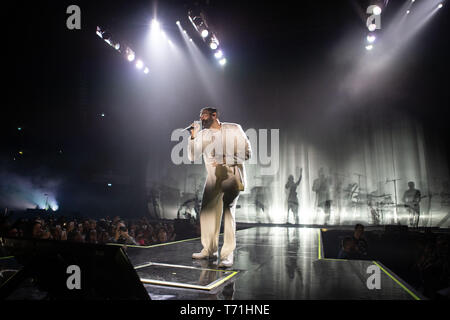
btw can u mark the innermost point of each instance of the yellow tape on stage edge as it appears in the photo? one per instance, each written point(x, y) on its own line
point(398, 282)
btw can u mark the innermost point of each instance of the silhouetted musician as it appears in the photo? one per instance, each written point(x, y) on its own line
point(291, 186)
point(411, 199)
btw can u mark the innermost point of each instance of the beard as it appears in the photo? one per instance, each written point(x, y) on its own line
point(207, 122)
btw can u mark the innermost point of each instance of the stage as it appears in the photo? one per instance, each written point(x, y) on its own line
point(271, 263)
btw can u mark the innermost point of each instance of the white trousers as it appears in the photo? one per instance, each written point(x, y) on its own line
point(220, 195)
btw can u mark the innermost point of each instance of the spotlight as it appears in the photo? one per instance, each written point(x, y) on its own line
point(103, 114)
point(440, 5)
point(369, 47)
point(146, 70)
point(407, 11)
point(371, 38)
point(109, 184)
point(376, 10)
point(19, 128)
point(218, 54)
point(178, 22)
point(190, 39)
point(223, 61)
point(117, 46)
point(130, 54)
point(139, 64)
point(204, 33)
point(372, 27)
point(99, 32)
point(214, 43)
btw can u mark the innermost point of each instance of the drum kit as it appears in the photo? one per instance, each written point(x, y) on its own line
point(378, 205)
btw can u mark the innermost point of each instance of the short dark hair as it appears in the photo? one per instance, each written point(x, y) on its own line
point(210, 110)
point(359, 225)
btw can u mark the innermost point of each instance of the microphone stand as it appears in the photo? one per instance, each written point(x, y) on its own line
point(395, 195)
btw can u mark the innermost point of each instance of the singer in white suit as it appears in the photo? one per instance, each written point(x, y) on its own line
point(224, 147)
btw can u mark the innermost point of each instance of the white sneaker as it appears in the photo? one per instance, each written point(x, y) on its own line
point(227, 263)
point(201, 255)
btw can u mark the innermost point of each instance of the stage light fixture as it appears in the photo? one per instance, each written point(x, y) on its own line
point(178, 22)
point(130, 54)
point(99, 32)
point(146, 70)
point(117, 46)
point(218, 54)
point(214, 43)
point(372, 27)
point(369, 47)
point(376, 10)
point(407, 11)
point(223, 61)
point(139, 64)
point(371, 38)
point(204, 33)
point(440, 5)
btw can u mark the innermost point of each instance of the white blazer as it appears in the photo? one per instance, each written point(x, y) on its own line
point(232, 150)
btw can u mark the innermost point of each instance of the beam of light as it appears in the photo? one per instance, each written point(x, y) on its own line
point(397, 35)
point(202, 66)
point(155, 25)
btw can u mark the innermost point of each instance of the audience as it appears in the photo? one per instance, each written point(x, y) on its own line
point(360, 242)
point(138, 232)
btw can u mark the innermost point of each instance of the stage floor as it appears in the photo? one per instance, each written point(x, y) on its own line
point(273, 263)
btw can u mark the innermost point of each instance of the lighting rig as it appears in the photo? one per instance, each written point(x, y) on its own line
point(208, 36)
point(126, 51)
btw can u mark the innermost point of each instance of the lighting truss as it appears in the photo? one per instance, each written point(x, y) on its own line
point(198, 20)
point(124, 50)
